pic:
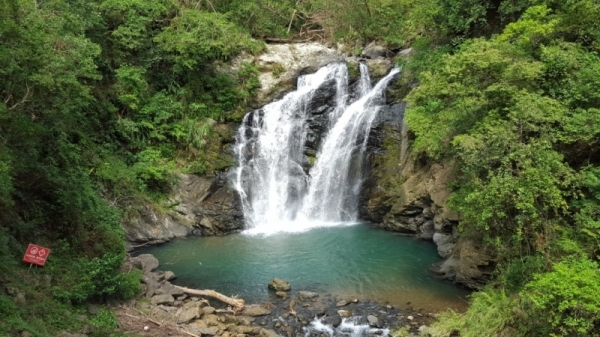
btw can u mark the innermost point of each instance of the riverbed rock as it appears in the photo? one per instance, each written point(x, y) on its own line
point(187, 314)
point(278, 284)
point(169, 275)
point(307, 295)
point(145, 262)
point(162, 299)
point(344, 313)
point(254, 311)
point(373, 321)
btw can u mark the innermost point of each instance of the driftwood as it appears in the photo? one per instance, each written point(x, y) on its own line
point(236, 303)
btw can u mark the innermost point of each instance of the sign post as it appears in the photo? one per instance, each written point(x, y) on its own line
point(36, 255)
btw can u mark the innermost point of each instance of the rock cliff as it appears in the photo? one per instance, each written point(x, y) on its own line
point(200, 205)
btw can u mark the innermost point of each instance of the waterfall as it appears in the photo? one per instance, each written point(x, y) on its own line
point(276, 192)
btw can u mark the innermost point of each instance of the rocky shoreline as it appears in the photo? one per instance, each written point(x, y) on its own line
point(164, 309)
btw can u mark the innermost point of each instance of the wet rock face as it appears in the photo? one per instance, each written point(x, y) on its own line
point(206, 206)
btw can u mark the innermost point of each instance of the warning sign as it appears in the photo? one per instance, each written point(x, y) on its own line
point(36, 255)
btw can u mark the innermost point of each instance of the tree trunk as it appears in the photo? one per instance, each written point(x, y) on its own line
point(236, 303)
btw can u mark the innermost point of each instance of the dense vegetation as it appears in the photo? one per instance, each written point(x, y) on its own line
point(101, 101)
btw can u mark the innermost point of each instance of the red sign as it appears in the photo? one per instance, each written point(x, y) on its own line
point(36, 255)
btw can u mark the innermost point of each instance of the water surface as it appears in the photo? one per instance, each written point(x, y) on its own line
point(354, 260)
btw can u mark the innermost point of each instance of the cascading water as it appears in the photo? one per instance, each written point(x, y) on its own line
point(276, 192)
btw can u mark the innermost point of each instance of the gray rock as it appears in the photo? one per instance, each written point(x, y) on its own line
point(344, 313)
point(207, 331)
point(162, 299)
point(441, 239)
point(374, 51)
point(169, 275)
point(281, 64)
point(342, 303)
point(145, 262)
point(254, 311)
point(405, 52)
point(268, 333)
point(307, 295)
point(373, 321)
point(446, 249)
point(26, 334)
point(187, 314)
point(168, 288)
point(279, 285)
point(334, 320)
point(209, 310)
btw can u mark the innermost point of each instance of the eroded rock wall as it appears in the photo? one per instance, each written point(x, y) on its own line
point(199, 205)
point(410, 195)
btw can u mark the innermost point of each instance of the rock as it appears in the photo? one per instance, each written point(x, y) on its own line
point(267, 333)
point(422, 329)
point(410, 318)
point(379, 68)
point(209, 202)
point(26, 334)
point(145, 262)
point(468, 265)
point(373, 51)
point(279, 285)
point(169, 275)
point(187, 314)
point(281, 294)
point(344, 313)
point(446, 249)
point(168, 288)
point(280, 65)
point(307, 295)
point(342, 303)
point(404, 52)
point(162, 299)
point(209, 310)
point(334, 321)
point(373, 321)
point(206, 331)
point(254, 311)
point(441, 239)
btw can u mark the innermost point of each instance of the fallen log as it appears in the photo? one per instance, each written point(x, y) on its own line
point(236, 303)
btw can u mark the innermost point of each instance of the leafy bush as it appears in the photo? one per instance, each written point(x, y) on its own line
point(565, 301)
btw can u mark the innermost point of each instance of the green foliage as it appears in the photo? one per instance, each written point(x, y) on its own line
point(105, 319)
point(98, 279)
point(491, 313)
point(565, 301)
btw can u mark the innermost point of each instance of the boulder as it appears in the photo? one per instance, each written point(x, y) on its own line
point(344, 313)
point(307, 295)
point(373, 321)
point(162, 299)
point(373, 51)
point(405, 52)
point(145, 262)
point(254, 311)
point(278, 284)
point(169, 276)
point(187, 314)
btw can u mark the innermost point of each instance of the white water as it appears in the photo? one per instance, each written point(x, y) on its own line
point(276, 193)
point(349, 328)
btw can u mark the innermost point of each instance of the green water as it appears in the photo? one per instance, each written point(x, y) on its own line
point(356, 261)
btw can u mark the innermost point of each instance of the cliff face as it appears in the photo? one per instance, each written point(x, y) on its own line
point(201, 205)
point(409, 195)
